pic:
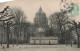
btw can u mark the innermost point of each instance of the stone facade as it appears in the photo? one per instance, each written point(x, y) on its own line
point(44, 40)
point(41, 23)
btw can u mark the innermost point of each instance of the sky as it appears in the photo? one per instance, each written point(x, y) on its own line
point(30, 7)
point(5, 0)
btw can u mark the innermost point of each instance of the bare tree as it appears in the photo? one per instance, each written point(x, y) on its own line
point(77, 27)
point(19, 17)
point(2, 15)
point(59, 21)
point(5, 16)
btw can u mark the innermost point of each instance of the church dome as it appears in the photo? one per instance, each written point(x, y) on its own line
point(40, 22)
point(40, 19)
point(40, 12)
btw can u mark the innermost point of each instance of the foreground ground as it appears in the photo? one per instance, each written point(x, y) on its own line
point(40, 48)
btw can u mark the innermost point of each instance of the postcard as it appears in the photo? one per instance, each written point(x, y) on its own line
point(40, 25)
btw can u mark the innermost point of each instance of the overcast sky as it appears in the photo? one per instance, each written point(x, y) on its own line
point(30, 7)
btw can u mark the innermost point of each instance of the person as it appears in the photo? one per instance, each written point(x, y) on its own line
point(3, 47)
point(49, 42)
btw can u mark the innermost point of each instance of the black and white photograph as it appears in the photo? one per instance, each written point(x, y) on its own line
point(40, 25)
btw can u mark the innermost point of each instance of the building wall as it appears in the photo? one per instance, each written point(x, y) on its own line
point(43, 40)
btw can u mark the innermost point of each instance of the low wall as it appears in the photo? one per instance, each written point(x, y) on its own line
point(45, 40)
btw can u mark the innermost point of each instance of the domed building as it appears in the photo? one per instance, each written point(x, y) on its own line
point(40, 19)
point(41, 22)
point(41, 25)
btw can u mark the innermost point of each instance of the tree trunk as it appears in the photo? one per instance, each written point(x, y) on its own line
point(17, 40)
point(1, 40)
point(77, 36)
point(13, 42)
point(78, 42)
point(13, 39)
point(2, 34)
point(71, 43)
point(8, 29)
point(17, 35)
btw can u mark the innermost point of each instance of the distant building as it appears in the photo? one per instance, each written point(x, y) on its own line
point(40, 19)
point(41, 25)
point(44, 40)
